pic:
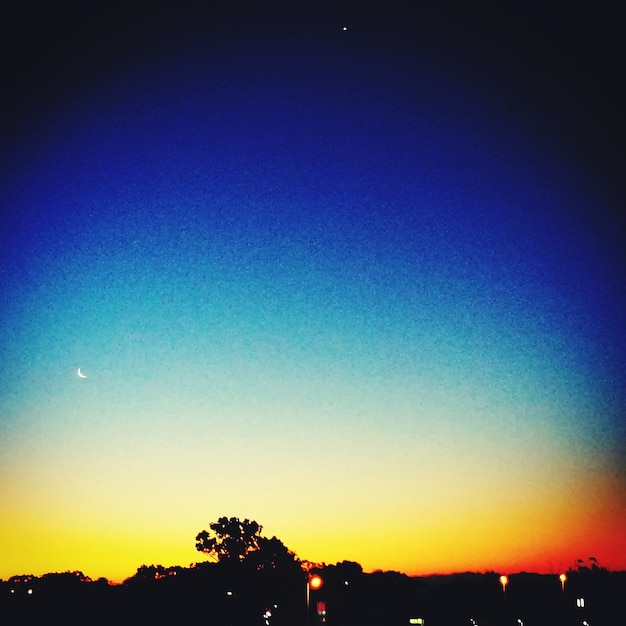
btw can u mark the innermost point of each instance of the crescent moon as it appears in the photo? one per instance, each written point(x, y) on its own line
point(80, 374)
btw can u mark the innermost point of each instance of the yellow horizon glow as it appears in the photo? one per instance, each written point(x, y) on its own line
point(509, 538)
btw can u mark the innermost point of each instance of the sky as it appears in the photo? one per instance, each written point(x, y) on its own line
point(353, 271)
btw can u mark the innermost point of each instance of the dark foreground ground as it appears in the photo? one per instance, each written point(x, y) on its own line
point(348, 597)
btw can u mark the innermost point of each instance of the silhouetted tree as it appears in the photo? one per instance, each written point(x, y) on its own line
point(590, 565)
point(233, 539)
point(273, 555)
point(66, 578)
point(347, 570)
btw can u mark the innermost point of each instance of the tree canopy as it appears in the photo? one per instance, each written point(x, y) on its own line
point(273, 555)
point(231, 540)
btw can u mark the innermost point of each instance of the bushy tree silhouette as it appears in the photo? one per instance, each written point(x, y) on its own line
point(273, 555)
point(233, 539)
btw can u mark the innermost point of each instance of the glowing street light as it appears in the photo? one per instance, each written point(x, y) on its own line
point(314, 581)
point(563, 578)
point(504, 581)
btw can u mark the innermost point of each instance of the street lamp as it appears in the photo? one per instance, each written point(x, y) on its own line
point(504, 581)
point(562, 578)
point(314, 581)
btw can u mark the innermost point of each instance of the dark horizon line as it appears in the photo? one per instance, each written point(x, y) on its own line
point(81, 577)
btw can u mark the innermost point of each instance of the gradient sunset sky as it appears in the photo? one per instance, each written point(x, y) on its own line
point(354, 271)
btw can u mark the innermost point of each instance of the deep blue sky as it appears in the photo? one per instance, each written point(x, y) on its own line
point(278, 247)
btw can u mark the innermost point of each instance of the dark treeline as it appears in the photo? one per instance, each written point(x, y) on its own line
point(238, 595)
point(258, 581)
